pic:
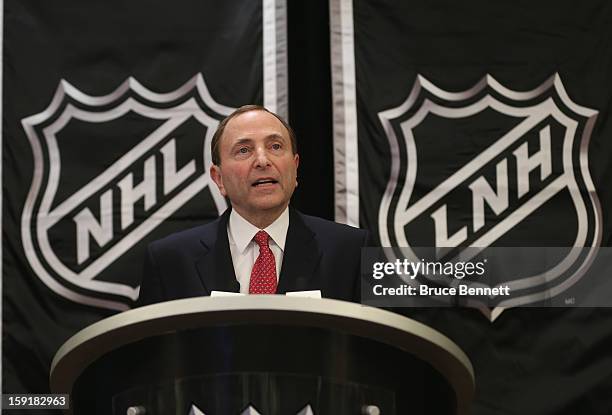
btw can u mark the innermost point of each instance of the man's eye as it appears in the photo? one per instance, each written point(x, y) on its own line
point(243, 150)
point(276, 146)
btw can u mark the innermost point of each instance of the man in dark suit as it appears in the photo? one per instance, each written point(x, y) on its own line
point(260, 245)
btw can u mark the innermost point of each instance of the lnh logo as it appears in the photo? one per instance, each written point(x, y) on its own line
point(492, 166)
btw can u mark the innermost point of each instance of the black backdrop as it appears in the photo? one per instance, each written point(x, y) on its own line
point(530, 361)
point(310, 104)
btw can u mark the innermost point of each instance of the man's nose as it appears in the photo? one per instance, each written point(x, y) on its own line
point(261, 157)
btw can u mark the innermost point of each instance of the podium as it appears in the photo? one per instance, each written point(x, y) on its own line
point(264, 354)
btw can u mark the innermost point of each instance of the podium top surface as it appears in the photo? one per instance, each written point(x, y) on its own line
point(379, 325)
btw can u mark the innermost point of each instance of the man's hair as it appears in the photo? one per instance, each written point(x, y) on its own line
point(216, 140)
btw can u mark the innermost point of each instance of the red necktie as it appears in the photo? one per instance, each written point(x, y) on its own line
point(263, 275)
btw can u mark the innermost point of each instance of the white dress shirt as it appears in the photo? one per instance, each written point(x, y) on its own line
point(244, 249)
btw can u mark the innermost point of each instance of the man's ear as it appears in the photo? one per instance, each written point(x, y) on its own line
point(215, 173)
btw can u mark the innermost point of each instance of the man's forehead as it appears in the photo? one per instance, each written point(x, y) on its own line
point(255, 122)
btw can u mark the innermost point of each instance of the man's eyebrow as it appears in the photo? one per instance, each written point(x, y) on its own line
point(245, 140)
point(273, 136)
point(242, 141)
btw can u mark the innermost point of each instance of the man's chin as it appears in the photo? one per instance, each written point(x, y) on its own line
point(270, 207)
point(270, 204)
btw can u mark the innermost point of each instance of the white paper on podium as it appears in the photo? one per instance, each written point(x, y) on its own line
point(224, 294)
point(308, 294)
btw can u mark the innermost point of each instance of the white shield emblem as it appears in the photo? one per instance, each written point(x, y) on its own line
point(83, 212)
point(491, 166)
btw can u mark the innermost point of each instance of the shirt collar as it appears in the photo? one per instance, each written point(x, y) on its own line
point(243, 231)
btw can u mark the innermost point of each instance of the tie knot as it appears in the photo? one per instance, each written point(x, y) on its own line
point(261, 238)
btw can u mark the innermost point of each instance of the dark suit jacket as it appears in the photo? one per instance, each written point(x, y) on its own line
point(318, 255)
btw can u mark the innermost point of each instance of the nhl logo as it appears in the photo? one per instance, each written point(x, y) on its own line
point(490, 166)
point(108, 170)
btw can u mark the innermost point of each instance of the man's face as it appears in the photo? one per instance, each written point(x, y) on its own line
point(258, 169)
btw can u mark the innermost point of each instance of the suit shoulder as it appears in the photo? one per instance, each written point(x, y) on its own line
point(186, 238)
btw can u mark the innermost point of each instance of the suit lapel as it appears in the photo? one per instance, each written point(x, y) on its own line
point(215, 267)
point(301, 256)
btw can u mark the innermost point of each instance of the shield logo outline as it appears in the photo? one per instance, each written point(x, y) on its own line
point(102, 109)
point(391, 220)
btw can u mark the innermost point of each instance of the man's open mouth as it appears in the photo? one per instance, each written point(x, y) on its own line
point(264, 181)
